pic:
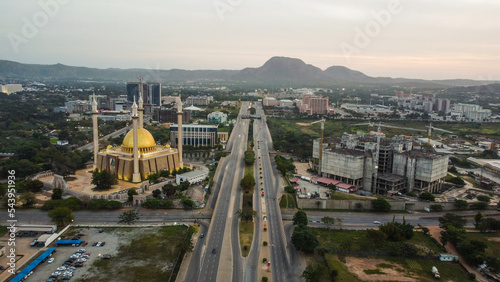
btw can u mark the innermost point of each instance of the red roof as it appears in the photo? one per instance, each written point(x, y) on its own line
point(294, 180)
point(326, 181)
point(344, 186)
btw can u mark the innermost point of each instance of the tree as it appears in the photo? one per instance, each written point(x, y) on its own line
point(300, 218)
point(332, 188)
point(380, 204)
point(303, 239)
point(129, 217)
point(56, 194)
point(456, 180)
point(28, 199)
point(315, 272)
point(289, 189)
point(249, 158)
point(477, 218)
point(103, 180)
point(376, 236)
point(34, 186)
point(187, 204)
point(169, 190)
point(426, 196)
point(131, 192)
point(461, 204)
point(454, 219)
point(483, 198)
point(247, 182)
point(185, 185)
point(436, 207)
point(61, 216)
point(156, 193)
point(328, 221)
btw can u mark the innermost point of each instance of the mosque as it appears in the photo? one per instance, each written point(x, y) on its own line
point(139, 155)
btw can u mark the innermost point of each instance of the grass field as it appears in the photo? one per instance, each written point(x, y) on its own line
point(246, 236)
point(54, 140)
point(287, 202)
point(343, 272)
point(421, 269)
point(356, 240)
point(150, 256)
point(490, 239)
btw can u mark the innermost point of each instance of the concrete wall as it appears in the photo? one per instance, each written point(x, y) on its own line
point(348, 166)
point(342, 204)
point(431, 169)
point(367, 205)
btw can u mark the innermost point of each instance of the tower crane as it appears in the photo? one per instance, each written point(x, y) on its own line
point(430, 132)
point(377, 152)
point(320, 142)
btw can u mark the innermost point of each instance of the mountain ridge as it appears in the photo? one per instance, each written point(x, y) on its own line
point(276, 70)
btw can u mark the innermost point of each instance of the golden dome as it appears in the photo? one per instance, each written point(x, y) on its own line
point(146, 141)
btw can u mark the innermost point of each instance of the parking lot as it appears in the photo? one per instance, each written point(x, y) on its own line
point(23, 253)
point(81, 263)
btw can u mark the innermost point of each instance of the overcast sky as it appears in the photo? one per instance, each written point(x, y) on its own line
point(430, 39)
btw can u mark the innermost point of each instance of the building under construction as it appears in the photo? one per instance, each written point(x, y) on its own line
point(402, 165)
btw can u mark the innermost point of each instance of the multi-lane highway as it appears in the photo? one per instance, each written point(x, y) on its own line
point(280, 264)
point(221, 258)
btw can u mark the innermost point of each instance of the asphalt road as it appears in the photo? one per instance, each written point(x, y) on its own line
point(108, 217)
point(229, 175)
point(364, 220)
point(280, 264)
point(90, 146)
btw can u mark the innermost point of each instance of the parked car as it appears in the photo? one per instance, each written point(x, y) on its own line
point(51, 260)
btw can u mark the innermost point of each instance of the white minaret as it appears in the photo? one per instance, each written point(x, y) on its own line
point(95, 129)
point(141, 107)
point(136, 176)
point(179, 135)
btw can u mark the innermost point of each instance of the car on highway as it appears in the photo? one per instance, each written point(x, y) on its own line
point(202, 235)
point(376, 222)
point(214, 251)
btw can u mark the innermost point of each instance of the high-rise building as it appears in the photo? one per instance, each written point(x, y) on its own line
point(133, 92)
point(154, 94)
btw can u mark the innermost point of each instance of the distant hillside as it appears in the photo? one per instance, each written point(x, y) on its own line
point(277, 71)
point(281, 69)
point(13, 70)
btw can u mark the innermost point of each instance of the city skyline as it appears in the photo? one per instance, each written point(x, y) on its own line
point(424, 39)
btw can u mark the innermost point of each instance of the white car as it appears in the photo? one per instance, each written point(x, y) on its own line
point(51, 260)
point(376, 222)
point(61, 268)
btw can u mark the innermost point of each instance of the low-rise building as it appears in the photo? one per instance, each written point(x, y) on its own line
point(194, 177)
point(217, 117)
point(11, 88)
point(195, 135)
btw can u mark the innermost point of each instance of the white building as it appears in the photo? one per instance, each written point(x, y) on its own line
point(270, 101)
point(286, 103)
point(194, 176)
point(11, 88)
point(471, 112)
point(218, 117)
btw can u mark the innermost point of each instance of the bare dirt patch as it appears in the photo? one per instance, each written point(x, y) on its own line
point(392, 271)
point(303, 124)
